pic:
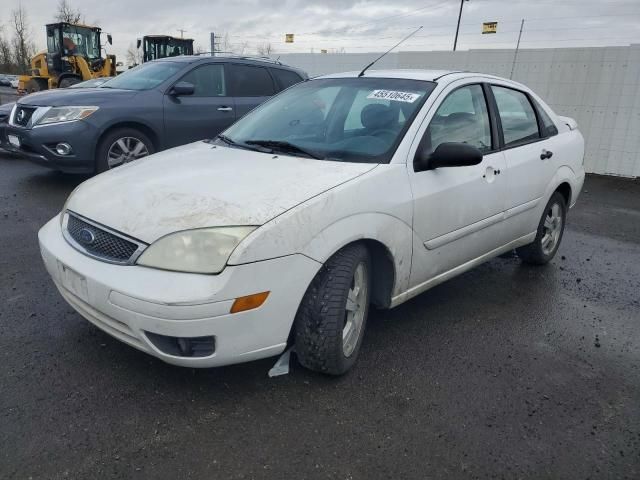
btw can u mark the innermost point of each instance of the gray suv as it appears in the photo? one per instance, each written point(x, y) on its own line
point(158, 105)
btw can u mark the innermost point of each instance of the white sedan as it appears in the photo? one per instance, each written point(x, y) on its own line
point(342, 192)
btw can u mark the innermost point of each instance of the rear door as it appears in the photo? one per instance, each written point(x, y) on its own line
point(204, 114)
point(250, 85)
point(529, 167)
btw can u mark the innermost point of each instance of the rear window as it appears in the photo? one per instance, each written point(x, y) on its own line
point(285, 78)
point(250, 81)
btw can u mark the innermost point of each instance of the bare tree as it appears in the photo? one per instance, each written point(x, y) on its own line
point(134, 55)
point(66, 13)
point(6, 59)
point(265, 49)
point(23, 46)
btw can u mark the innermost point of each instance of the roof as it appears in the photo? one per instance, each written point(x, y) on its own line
point(411, 74)
point(240, 59)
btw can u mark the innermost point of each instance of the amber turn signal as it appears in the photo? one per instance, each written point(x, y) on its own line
point(249, 302)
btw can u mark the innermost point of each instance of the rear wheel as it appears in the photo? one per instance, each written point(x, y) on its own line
point(332, 316)
point(549, 235)
point(68, 81)
point(36, 85)
point(121, 146)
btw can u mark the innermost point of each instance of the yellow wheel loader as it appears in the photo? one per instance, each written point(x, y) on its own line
point(73, 55)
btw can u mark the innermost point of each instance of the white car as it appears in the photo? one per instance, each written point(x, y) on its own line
point(14, 82)
point(342, 192)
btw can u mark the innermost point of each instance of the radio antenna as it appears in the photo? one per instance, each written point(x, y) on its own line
point(401, 41)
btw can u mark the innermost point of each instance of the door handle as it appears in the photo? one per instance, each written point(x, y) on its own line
point(546, 154)
point(224, 109)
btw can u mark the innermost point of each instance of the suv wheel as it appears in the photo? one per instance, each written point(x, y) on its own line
point(550, 230)
point(122, 146)
point(332, 316)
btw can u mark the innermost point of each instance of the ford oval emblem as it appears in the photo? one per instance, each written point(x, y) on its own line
point(86, 236)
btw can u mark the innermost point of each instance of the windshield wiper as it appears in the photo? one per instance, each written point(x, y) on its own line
point(235, 144)
point(284, 146)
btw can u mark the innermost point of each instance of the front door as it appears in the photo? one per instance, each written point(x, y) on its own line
point(458, 211)
point(204, 114)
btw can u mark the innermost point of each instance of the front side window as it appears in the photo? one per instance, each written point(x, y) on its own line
point(250, 81)
point(208, 81)
point(518, 118)
point(462, 117)
point(145, 76)
point(341, 119)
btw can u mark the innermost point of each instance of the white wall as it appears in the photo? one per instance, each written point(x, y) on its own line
point(598, 86)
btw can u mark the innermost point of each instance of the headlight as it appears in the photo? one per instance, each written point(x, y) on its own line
point(204, 250)
point(65, 114)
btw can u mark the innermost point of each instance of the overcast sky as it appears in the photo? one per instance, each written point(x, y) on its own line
point(356, 26)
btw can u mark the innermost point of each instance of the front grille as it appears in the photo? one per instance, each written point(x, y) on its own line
point(23, 115)
point(99, 242)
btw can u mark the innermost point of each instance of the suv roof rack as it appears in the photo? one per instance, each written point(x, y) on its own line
point(241, 57)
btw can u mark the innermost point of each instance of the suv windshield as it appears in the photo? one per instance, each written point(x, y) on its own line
point(348, 119)
point(144, 77)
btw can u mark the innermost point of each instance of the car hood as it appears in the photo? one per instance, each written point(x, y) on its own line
point(201, 185)
point(75, 96)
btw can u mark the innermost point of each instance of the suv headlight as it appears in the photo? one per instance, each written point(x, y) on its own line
point(65, 114)
point(205, 250)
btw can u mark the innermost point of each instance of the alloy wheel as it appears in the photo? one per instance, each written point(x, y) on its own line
point(125, 150)
point(355, 310)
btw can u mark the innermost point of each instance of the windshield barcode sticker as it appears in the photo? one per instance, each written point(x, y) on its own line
point(395, 96)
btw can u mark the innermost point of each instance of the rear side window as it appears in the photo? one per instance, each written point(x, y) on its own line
point(250, 81)
point(208, 81)
point(285, 78)
point(518, 118)
point(548, 127)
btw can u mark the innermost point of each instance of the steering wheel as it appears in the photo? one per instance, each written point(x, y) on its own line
point(381, 132)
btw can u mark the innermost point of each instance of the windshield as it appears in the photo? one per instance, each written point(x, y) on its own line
point(143, 77)
point(80, 41)
point(348, 119)
point(155, 48)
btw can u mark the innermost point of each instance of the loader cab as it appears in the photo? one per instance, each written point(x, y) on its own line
point(162, 46)
point(65, 40)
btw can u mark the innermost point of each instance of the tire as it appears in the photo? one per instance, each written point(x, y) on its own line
point(323, 318)
point(109, 146)
point(68, 81)
point(36, 85)
point(549, 235)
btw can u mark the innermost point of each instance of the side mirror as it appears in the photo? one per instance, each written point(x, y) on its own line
point(182, 88)
point(109, 39)
point(448, 154)
point(138, 43)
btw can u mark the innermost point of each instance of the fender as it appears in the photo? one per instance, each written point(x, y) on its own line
point(395, 235)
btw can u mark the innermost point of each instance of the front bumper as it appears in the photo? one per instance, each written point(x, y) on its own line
point(36, 145)
point(127, 301)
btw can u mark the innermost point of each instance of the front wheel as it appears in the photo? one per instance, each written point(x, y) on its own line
point(549, 235)
point(68, 81)
point(332, 316)
point(121, 146)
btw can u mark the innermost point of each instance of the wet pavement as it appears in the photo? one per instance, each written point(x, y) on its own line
point(507, 371)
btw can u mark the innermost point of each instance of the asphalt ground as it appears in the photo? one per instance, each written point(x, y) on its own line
point(507, 371)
